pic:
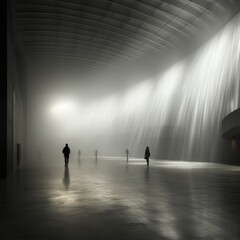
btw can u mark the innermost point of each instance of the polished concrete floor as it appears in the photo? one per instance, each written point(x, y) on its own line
point(110, 199)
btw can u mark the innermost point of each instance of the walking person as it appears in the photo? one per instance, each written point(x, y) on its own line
point(79, 154)
point(147, 155)
point(66, 152)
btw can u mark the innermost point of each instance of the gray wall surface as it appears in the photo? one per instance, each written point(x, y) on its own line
point(12, 103)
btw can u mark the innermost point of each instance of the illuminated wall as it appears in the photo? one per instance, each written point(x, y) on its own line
point(177, 114)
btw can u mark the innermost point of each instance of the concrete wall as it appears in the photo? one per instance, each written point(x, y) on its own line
point(13, 103)
point(3, 97)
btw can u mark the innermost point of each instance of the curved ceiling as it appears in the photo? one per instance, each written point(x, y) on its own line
point(112, 37)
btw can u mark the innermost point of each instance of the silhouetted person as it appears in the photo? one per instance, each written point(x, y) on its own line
point(66, 152)
point(147, 155)
point(96, 154)
point(127, 153)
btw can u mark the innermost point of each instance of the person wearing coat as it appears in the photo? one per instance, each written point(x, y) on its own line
point(66, 152)
point(147, 155)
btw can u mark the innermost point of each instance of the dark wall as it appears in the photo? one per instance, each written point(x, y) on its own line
point(231, 135)
point(13, 77)
point(3, 93)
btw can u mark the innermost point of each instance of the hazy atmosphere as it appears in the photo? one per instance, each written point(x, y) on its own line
point(177, 112)
point(120, 120)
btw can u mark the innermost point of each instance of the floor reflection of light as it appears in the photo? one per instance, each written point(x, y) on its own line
point(152, 205)
point(183, 164)
point(64, 198)
point(137, 163)
point(194, 165)
point(169, 231)
point(96, 191)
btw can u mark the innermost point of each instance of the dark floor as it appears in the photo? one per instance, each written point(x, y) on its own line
point(110, 199)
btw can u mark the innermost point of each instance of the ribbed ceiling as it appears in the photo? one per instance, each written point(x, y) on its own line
point(110, 37)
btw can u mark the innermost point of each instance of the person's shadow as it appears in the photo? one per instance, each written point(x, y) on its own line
point(66, 178)
point(79, 161)
point(147, 175)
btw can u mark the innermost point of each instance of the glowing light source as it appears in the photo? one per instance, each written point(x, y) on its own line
point(62, 107)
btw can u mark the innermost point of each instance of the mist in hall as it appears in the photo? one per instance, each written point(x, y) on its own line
point(177, 112)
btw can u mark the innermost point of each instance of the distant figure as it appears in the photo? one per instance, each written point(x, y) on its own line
point(79, 153)
point(127, 152)
point(66, 152)
point(96, 154)
point(147, 155)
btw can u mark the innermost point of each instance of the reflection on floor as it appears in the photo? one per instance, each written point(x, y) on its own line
point(110, 199)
